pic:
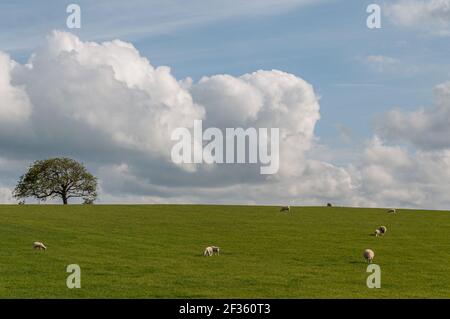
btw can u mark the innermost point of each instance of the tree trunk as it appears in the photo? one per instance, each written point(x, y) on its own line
point(64, 198)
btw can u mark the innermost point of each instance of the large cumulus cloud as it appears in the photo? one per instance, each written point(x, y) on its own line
point(88, 95)
point(264, 99)
point(106, 105)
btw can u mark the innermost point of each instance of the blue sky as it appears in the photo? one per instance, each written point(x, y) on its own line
point(360, 74)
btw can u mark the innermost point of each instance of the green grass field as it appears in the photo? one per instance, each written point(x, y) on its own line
point(156, 252)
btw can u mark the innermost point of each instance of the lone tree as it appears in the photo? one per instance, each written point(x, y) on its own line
point(57, 177)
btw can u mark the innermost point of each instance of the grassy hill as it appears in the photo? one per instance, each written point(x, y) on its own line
point(156, 252)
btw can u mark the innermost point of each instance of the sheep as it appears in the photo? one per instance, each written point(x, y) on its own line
point(211, 250)
point(216, 250)
point(368, 255)
point(382, 229)
point(285, 208)
point(208, 251)
point(392, 210)
point(329, 205)
point(377, 233)
point(38, 245)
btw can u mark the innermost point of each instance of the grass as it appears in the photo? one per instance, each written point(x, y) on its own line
point(156, 252)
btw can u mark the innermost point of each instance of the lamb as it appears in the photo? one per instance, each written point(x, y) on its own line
point(38, 245)
point(285, 208)
point(208, 251)
point(368, 255)
point(380, 231)
point(211, 250)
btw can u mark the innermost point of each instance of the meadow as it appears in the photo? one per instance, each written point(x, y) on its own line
point(155, 251)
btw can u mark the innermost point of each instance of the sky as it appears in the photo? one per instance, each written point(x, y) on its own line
point(364, 113)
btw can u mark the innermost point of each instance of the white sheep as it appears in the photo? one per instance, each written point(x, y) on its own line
point(208, 251)
point(382, 229)
point(368, 255)
point(285, 208)
point(392, 211)
point(38, 245)
point(377, 233)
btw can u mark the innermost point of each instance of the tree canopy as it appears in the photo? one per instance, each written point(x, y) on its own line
point(57, 177)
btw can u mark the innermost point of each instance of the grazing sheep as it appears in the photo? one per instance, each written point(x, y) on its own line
point(392, 211)
point(382, 229)
point(329, 205)
point(368, 255)
point(216, 250)
point(208, 251)
point(38, 245)
point(377, 233)
point(285, 208)
point(22, 202)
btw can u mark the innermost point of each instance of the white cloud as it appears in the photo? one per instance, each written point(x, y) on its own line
point(14, 104)
point(378, 153)
point(425, 128)
point(106, 89)
point(395, 177)
point(432, 16)
point(6, 196)
point(264, 99)
point(228, 99)
point(417, 175)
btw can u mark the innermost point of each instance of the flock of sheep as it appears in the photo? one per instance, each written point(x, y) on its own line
point(380, 231)
point(214, 250)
